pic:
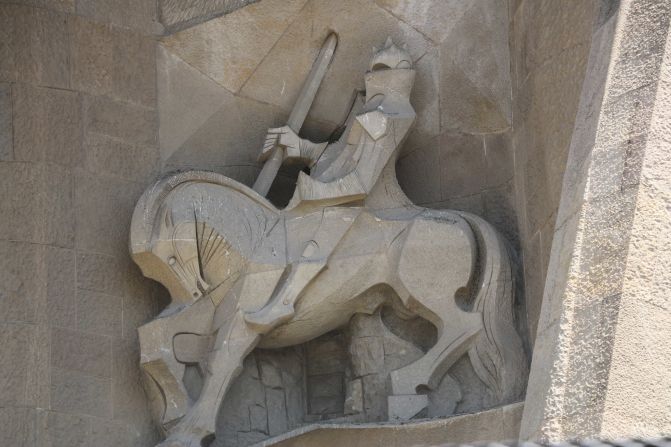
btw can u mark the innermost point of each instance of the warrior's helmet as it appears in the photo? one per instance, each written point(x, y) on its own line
point(391, 56)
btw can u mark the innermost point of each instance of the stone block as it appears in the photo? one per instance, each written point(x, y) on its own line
point(47, 125)
point(21, 282)
point(434, 18)
point(276, 82)
point(277, 412)
point(534, 282)
point(112, 219)
point(37, 205)
point(15, 343)
point(270, 375)
point(98, 313)
point(540, 32)
point(110, 433)
point(258, 418)
point(129, 401)
point(367, 355)
point(641, 48)
point(176, 14)
point(326, 395)
point(231, 136)
point(6, 131)
point(499, 159)
point(419, 173)
point(137, 310)
point(101, 273)
point(182, 87)
point(461, 155)
point(131, 123)
point(74, 392)
point(60, 287)
point(235, 39)
point(55, 429)
point(246, 438)
point(84, 352)
point(139, 15)
point(500, 211)
point(107, 155)
point(18, 427)
point(34, 46)
point(39, 369)
point(475, 71)
point(112, 62)
point(326, 354)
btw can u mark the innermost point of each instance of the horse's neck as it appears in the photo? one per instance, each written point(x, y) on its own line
point(386, 192)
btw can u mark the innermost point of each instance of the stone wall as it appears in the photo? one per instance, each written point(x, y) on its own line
point(550, 42)
point(78, 145)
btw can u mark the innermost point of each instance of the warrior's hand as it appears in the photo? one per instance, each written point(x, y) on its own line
point(283, 137)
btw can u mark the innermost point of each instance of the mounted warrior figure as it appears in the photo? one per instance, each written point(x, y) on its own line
point(243, 274)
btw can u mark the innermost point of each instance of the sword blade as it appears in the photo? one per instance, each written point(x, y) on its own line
point(299, 112)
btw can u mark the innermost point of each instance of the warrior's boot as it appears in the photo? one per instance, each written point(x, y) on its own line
point(280, 308)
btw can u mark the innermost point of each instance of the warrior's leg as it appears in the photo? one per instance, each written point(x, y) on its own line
point(280, 308)
point(234, 341)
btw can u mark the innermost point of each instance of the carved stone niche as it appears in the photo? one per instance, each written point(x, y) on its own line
point(350, 305)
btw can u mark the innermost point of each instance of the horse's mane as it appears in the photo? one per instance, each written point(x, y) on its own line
point(148, 205)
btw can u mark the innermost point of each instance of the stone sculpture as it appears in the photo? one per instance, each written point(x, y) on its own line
point(244, 274)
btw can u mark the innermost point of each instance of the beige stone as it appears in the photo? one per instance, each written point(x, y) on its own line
point(106, 61)
point(6, 132)
point(201, 234)
point(75, 392)
point(38, 204)
point(177, 14)
point(228, 49)
point(35, 46)
point(47, 125)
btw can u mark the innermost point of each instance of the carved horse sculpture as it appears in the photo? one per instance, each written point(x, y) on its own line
point(200, 230)
point(244, 274)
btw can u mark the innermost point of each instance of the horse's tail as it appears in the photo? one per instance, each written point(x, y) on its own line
point(497, 355)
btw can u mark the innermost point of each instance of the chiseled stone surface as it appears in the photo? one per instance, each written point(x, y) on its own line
point(176, 14)
point(550, 42)
point(228, 49)
point(78, 128)
point(244, 274)
point(603, 319)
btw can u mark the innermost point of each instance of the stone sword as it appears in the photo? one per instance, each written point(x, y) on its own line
point(299, 112)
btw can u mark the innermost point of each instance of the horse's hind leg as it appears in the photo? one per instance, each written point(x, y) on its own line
point(436, 260)
point(234, 341)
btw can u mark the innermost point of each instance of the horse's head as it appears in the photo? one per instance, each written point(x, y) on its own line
point(171, 257)
point(164, 243)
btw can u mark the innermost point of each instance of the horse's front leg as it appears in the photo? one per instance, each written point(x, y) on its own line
point(233, 343)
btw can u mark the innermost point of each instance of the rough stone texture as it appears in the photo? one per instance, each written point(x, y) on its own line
point(604, 318)
point(6, 131)
point(78, 128)
point(549, 42)
point(177, 14)
point(501, 423)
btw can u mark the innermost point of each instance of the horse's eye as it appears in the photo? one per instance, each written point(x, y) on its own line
point(172, 260)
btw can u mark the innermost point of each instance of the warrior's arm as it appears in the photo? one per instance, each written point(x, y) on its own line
point(295, 148)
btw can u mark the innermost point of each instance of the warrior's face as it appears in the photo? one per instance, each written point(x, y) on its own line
point(390, 73)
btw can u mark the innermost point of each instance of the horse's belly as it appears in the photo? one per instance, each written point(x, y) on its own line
point(301, 329)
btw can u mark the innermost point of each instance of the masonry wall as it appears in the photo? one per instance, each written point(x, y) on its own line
point(78, 145)
point(93, 109)
point(550, 42)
